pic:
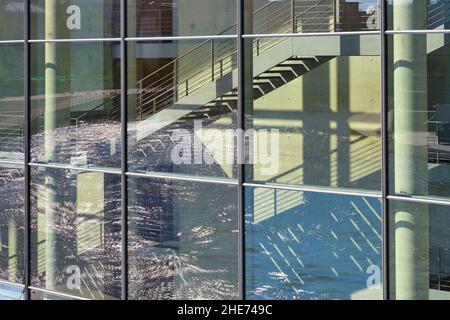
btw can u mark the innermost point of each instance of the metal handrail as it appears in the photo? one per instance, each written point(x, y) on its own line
point(77, 119)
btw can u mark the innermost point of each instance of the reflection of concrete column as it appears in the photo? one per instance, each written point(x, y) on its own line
point(51, 114)
point(50, 77)
point(410, 113)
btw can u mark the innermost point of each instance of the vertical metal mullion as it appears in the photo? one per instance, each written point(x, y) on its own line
point(26, 142)
point(384, 138)
point(240, 149)
point(124, 149)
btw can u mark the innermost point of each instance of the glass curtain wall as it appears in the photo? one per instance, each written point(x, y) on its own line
point(224, 149)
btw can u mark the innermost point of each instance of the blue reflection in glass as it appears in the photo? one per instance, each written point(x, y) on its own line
point(312, 246)
point(10, 292)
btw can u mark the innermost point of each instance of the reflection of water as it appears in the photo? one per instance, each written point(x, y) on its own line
point(320, 249)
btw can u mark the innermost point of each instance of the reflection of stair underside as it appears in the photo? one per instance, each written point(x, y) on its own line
point(282, 63)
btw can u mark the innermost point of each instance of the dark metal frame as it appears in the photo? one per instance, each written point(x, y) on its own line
point(124, 149)
point(240, 149)
point(384, 151)
point(27, 147)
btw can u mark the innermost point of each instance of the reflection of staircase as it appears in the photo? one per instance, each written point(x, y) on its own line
point(211, 67)
point(214, 62)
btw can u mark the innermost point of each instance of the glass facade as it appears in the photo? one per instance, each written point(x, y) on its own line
point(224, 149)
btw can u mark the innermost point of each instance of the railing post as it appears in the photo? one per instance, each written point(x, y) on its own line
point(140, 100)
point(293, 20)
point(212, 60)
point(187, 87)
point(160, 22)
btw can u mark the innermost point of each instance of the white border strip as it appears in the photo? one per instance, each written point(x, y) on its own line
point(74, 40)
point(55, 293)
point(223, 36)
point(12, 42)
point(12, 284)
point(200, 179)
point(299, 188)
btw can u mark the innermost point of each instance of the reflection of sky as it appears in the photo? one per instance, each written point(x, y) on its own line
point(10, 292)
point(320, 249)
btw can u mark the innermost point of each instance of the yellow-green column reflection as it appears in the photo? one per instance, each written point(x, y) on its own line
point(411, 159)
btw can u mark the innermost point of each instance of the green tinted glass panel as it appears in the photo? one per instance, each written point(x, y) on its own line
point(313, 117)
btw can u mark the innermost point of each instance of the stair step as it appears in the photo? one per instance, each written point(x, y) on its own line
point(276, 70)
point(271, 78)
point(303, 58)
point(257, 93)
point(264, 87)
point(264, 83)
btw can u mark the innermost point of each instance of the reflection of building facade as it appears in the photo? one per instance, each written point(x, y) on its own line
point(358, 98)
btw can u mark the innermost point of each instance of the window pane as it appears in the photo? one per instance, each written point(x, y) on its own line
point(80, 19)
point(315, 111)
point(427, 15)
point(12, 223)
point(182, 241)
point(11, 20)
point(9, 292)
point(182, 107)
point(164, 18)
point(419, 108)
point(276, 17)
point(11, 102)
point(419, 251)
point(76, 104)
point(304, 245)
point(75, 232)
